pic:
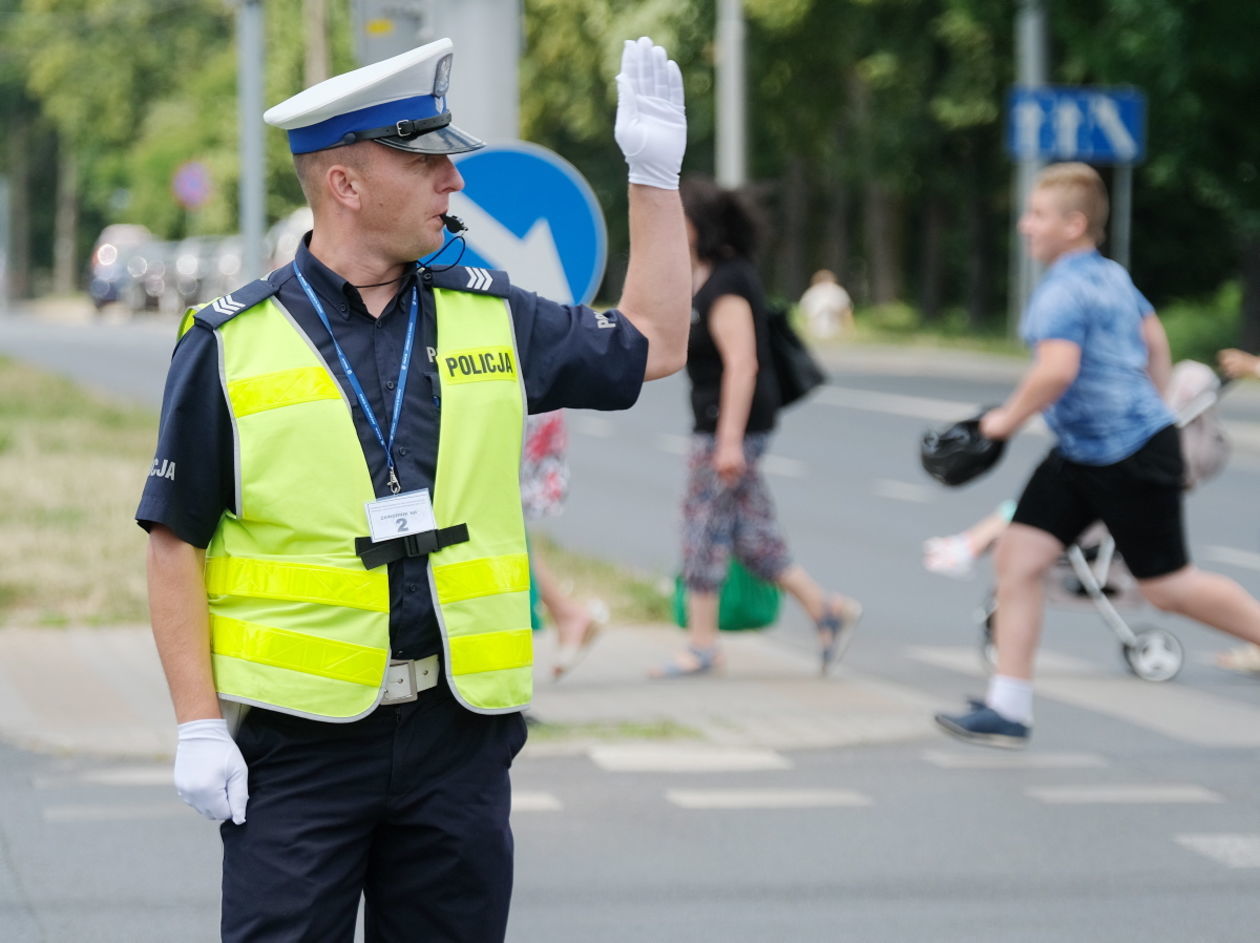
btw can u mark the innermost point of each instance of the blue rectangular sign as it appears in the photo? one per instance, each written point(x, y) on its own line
point(1096, 125)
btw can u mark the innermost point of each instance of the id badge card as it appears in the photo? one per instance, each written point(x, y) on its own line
point(400, 515)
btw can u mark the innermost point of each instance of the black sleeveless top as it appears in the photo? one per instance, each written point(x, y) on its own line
point(735, 276)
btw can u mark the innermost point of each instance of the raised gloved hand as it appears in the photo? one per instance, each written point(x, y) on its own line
point(651, 127)
point(210, 773)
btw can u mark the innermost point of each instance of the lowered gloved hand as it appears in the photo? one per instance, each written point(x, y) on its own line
point(210, 773)
point(651, 127)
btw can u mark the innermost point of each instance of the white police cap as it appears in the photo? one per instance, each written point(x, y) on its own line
point(399, 102)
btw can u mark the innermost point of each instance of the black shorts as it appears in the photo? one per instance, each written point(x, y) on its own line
point(1139, 498)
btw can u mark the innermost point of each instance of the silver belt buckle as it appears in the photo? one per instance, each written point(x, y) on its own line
point(405, 680)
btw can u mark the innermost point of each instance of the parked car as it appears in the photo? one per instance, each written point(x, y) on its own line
point(228, 260)
point(110, 270)
point(283, 237)
point(196, 268)
point(152, 269)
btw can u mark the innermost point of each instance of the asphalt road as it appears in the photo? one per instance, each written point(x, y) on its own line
point(1127, 819)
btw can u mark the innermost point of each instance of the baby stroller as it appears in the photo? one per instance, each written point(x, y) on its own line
point(1091, 572)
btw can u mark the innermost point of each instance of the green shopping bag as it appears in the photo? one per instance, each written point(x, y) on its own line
point(744, 602)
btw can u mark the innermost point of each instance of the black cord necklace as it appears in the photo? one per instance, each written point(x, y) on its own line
point(389, 282)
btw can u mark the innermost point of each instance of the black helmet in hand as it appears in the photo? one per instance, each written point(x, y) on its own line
point(956, 454)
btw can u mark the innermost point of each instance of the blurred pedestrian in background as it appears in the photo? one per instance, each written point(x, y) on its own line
point(727, 508)
point(1101, 362)
point(826, 306)
point(1238, 364)
point(544, 488)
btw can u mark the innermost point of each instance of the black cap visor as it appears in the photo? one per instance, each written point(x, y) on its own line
point(445, 140)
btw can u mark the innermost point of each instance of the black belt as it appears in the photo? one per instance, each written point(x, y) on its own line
point(411, 545)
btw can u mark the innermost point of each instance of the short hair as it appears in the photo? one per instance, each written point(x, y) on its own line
point(726, 223)
point(312, 166)
point(1082, 191)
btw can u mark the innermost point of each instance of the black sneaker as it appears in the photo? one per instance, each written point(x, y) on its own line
point(985, 726)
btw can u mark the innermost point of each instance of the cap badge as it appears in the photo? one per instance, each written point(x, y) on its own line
point(442, 77)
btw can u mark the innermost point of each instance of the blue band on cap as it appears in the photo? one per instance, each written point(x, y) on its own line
point(328, 133)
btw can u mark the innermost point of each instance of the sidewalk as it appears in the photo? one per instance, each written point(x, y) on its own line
point(100, 691)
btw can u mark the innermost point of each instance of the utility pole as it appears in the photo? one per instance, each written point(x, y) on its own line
point(732, 148)
point(1031, 70)
point(318, 61)
point(249, 102)
point(485, 87)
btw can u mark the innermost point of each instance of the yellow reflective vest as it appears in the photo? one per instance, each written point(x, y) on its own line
point(297, 623)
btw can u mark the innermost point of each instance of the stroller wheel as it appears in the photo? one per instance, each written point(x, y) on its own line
point(1155, 655)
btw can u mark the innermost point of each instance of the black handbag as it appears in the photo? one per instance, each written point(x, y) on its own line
point(794, 366)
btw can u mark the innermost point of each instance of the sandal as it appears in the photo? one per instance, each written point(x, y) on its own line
point(1245, 660)
point(835, 629)
point(568, 656)
point(702, 661)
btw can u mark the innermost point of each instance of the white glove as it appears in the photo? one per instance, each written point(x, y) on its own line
point(651, 127)
point(210, 773)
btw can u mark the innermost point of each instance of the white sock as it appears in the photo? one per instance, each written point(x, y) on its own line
point(1011, 697)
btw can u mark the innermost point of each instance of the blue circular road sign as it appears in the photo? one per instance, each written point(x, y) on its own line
point(530, 213)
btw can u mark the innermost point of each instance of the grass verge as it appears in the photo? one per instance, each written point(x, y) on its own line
point(73, 466)
point(629, 597)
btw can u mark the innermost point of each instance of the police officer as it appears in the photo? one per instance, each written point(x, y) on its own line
point(337, 567)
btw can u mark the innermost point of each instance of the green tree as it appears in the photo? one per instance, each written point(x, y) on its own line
point(1198, 196)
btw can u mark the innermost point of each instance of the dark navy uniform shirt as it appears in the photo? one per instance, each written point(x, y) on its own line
point(569, 356)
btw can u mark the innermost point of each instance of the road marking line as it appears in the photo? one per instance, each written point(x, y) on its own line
point(902, 491)
point(1174, 711)
point(593, 426)
point(770, 464)
point(1242, 558)
point(897, 404)
point(783, 467)
point(535, 802)
point(116, 776)
point(1137, 794)
point(948, 760)
point(673, 444)
point(649, 758)
point(966, 660)
point(1180, 713)
point(766, 798)
point(915, 407)
point(115, 813)
point(1231, 850)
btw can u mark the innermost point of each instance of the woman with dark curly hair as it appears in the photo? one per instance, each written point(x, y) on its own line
point(734, 399)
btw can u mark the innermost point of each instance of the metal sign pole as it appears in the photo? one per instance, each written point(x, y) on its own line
point(732, 169)
point(1030, 72)
point(1121, 213)
point(249, 78)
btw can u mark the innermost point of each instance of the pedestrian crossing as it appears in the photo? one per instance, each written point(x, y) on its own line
point(741, 788)
point(1175, 711)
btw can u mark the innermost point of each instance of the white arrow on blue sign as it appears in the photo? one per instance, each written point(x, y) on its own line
point(1097, 125)
point(530, 213)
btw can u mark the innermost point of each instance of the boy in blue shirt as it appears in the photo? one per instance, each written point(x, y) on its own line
point(1101, 361)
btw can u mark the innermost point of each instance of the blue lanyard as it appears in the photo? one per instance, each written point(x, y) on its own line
point(403, 370)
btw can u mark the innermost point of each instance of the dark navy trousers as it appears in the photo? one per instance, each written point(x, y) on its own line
point(407, 808)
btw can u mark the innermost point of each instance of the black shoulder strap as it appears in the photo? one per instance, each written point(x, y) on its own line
point(221, 310)
point(481, 281)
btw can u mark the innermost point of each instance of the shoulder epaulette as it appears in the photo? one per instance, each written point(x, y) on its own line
point(482, 281)
point(221, 310)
